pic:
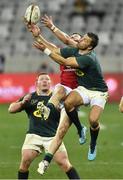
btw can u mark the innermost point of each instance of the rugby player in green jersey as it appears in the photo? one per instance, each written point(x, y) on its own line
point(40, 132)
point(92, 89)
point(68, 78)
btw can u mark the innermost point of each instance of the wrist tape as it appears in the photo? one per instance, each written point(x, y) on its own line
point(47, 51)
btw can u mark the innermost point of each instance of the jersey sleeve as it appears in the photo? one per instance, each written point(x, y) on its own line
point(83, 61)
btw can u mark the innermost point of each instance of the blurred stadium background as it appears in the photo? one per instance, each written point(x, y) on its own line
point(19, 63)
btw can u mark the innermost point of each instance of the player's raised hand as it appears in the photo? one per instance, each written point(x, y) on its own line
point(32, 28)
point(47, 21)
point(26, 99)
point(40, 46)
point(35, 30)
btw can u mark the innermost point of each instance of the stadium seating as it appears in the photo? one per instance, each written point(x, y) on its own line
point(103, 17)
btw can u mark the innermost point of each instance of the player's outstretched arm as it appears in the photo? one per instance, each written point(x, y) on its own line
point(36, 32)
point(65, 38)
point(71, 61)
point(19, 105)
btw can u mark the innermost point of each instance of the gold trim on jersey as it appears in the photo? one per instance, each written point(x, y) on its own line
point(79, 72)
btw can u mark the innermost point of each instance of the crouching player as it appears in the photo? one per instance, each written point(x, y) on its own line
point(40, 133)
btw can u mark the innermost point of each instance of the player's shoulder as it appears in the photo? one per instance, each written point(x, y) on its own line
point(33, 94)
point(92, 56)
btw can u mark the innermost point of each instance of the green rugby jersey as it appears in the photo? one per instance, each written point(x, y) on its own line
point(37, 125)
point(89, 73)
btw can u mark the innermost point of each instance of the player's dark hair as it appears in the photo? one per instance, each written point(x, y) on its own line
point(95, 39)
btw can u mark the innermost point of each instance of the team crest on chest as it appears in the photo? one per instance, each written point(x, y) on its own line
point(37, 112)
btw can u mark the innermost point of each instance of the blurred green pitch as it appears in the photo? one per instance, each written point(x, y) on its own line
point(109, 161)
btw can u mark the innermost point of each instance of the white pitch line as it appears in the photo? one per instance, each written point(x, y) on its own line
point(14, 147)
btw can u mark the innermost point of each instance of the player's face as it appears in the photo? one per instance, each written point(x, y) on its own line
point(85, 42)
point(43, 82)
point(75, 37)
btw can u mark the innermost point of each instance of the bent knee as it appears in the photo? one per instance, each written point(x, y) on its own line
point(68, 105)
point(64, 164)
point(94, 124)
point(60, 93)
point(93, 118)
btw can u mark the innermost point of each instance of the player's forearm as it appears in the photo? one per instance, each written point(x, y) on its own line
point(41, 39)
point(54, 56)
point(60, 34)
point(58, 59)
point(15, 107)
point(65, 38)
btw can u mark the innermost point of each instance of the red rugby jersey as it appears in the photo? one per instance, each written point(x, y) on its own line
point(68, 77)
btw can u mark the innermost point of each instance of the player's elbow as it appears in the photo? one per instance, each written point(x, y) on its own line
point(11, 109)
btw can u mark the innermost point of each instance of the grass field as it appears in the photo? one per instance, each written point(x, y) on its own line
point(109, 161)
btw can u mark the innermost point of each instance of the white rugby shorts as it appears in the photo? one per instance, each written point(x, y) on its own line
point(92, 97)
point(39, 143)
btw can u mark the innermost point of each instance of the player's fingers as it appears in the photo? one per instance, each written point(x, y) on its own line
point(43, 21)
point(46, 16)
point(51, 18)
point(36, 44)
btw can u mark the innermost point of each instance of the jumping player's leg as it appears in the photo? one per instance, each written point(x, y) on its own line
point(63, 127)
point(94, 130)
point(97, 105)
point(56, 142)
point(71, 103)
point(59, 95)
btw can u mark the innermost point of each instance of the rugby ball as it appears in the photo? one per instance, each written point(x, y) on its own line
point(32, 14)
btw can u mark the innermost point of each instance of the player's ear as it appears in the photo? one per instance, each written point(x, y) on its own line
point(90, 48)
